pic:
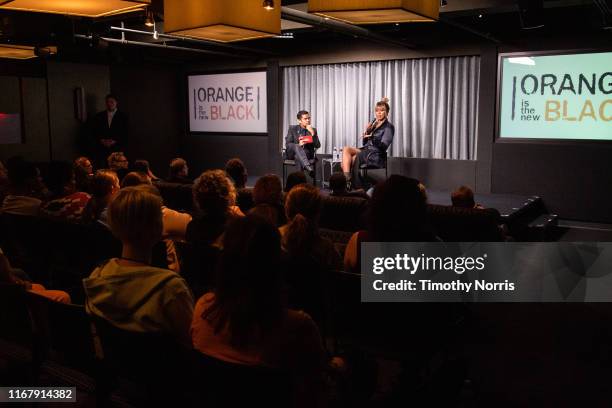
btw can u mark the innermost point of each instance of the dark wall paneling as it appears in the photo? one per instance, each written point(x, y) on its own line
point(486, 119)
point(50, 128)
point(67, 133)
point(149, 95)
point(573, 180)
point(208, 151)
point(274, 118)
point(35, 119)
point(435, 173)
point(28, 68)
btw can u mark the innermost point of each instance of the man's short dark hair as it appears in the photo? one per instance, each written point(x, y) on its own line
point(268, 190)
point(337, 182)
point(111, 96)
point(141, 166)
point(236, 170)
point(294, 179)
point(301, 113)
point(176, 166)
point(463, 197)
point(134, 178)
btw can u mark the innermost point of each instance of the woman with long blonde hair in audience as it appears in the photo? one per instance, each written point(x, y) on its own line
point(127, 291)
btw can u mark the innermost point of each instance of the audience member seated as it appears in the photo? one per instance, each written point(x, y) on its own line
point(66, 203)
point(174, 222)
point(9, 275)
point(214, 195)
point(398, 213)
point(129, 293)
point(142, 167)
point(83, 172)
point(463, 197)
point(265, 212)
point(135, 178)
point(244, 321)
point(300, 236)
point(268, 190)
point(311, 258)
point(237, 172)
point(294, 179)
point(338, 186)
point(25, 189)
point(104, 186)
point(118, 163)
point(179, 172)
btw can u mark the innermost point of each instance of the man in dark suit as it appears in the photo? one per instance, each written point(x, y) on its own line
point(301, 142)
point(109, 131)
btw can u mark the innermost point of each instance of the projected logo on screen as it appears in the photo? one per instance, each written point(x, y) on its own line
point(233, 103)
point(557, 97)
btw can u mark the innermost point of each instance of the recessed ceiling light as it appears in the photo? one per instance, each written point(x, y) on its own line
point(376, 11)
point(220, 20)
point(84, 8)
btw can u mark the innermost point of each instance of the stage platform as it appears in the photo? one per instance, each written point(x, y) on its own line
point(526, 216)
point(508, 205)
point(513, 208)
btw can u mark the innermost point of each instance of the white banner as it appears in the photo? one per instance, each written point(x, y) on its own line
point(228, 103)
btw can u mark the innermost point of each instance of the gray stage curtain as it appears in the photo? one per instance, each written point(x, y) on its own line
point(434, 103)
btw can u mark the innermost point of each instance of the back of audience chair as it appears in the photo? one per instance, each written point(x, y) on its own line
point(340, 239)
point(177, 196)
point(411, 332)
point(15, 321)
point(152, 362)
point(63, 333)
point(171, 373)
point(74, 251)
point(343, 213)
point(22, 240)
point(454, 224)
point(224, 384)
point(198, 266)
point(308, 290)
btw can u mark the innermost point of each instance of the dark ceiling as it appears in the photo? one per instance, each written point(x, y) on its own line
point(495, 21)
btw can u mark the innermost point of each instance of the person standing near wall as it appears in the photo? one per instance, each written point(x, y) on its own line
point(109, 131)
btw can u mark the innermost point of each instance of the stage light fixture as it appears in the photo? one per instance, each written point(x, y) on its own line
point(83, 8)
point(221, 21)
point(377, 11)
point(268, 5)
